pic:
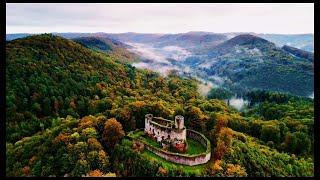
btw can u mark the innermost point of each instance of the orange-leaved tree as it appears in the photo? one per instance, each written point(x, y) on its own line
point(113, 132)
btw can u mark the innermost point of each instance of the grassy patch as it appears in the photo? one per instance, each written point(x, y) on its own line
point(151, 141)
point(195, 147)
point(198, 169)
point(136, 134)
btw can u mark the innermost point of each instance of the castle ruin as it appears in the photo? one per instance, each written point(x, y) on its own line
point(173, 132)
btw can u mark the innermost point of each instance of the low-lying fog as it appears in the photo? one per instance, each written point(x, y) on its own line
point(205, 86)
point(312, 96)
point(156, 59)
point(159, 54)
point(238, 103)
point(168, 58)
point(160, 59)
point(163, 69)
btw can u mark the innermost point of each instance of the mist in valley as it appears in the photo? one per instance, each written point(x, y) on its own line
point(168, 58)
point(238, 103)
point(156, 59)
point(312, 95)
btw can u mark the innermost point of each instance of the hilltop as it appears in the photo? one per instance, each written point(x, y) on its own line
point(245, 40)
point(112, 47)
point(301, 41)
point(255, 63)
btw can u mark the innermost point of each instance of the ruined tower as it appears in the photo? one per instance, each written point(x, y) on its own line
point(179, 122)
point(148, 117)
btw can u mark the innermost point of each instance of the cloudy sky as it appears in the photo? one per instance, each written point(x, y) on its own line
point(160, 18)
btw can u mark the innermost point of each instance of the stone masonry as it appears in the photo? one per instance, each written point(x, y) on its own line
point(165, 129)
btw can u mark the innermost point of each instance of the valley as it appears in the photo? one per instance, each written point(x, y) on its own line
point(238, 62)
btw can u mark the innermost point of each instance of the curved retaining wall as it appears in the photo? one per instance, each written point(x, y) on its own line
point(186, 159)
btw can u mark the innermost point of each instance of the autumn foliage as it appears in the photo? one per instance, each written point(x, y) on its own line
point(224, 139)
point(95, 173)
point(68, 106)
point(113, 132)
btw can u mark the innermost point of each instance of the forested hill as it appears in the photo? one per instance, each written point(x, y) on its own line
point(68, 108)
point(49, 76)
point(251, 62)
point(55, 84)
point(247, 40)
point(112, 47)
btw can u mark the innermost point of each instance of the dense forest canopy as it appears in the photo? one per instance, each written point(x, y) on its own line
point(63, 100)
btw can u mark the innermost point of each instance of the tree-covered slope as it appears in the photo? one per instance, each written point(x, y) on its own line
point(68, 147)
point(50, 76)
point(299, 53)
point(112, 47)
point(251, 62)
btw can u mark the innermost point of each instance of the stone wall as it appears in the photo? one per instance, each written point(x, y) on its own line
point(198, 137)
point(157, 131)
point(190, 160)
point(163, 131)
point(179, 134)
